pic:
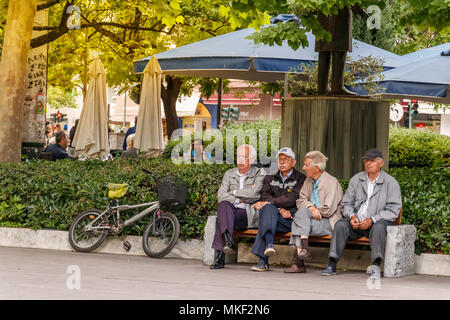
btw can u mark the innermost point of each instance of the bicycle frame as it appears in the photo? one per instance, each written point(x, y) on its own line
point(153, 206)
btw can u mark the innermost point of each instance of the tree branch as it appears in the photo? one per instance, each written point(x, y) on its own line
point(103, 24)
point(56, 33)
point(48, 4)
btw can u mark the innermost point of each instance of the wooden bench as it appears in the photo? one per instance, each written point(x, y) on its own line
point(363, 241)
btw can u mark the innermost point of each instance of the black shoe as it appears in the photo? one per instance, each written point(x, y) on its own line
point(219, 260)
point(261, 266)
point(228, 239)
point(330, 270)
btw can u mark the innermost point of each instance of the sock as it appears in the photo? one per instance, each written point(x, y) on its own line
point(300, 263)
point(332, 262)
point(377, 262)
point(304, 243)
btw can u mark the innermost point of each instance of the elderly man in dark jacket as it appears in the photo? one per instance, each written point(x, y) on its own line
point(279, 194)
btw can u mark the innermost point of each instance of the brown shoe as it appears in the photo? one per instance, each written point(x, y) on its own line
point(305, 255)
point(297, 267)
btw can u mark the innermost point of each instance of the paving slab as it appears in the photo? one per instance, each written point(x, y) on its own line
point(49, 274)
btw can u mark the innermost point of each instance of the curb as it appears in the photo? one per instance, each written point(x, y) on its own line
point(59, 240)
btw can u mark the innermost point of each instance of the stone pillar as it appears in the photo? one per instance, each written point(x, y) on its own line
point(342, 128)
point(210, 229)
point(208, 252)
point(399, 253)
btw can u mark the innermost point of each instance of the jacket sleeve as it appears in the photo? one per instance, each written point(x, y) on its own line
point(348, 201)
point(252, 194)
point(303, 199)
point(332, 199)
point(222, 193)
point(289, 199)
point(266, 193)
point(393, 202)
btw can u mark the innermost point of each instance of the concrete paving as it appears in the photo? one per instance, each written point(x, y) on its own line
point(48, 274)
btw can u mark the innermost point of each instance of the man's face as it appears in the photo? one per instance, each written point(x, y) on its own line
point(64, 142)
point(373, 165)
point(309, 170)
point(285, 163)
point(243, 159)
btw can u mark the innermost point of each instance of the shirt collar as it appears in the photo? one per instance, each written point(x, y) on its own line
point(318, 180)
point(376, 180)
point(243, 175)
point(288, 175)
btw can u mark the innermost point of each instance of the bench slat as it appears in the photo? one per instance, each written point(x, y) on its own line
point(251, 233)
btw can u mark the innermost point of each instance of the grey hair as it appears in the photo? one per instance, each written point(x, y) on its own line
point(318, 159)
point(130, 140)
point(252, 151)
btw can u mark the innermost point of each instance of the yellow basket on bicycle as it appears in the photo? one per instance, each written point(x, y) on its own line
point(117, 190)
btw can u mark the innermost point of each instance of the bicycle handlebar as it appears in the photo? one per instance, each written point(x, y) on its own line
point(150, 173)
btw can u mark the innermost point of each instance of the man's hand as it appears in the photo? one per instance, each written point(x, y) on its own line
point(354, 222)
point(258, 205)
point(366, 224)
point(285, 213)
point(316, 215)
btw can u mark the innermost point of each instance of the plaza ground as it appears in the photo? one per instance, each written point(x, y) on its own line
point(45, 274)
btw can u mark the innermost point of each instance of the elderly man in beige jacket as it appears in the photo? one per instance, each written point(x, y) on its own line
point(319, 208)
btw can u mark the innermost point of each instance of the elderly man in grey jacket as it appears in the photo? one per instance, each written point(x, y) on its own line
point(240, 189)
point(372, 202)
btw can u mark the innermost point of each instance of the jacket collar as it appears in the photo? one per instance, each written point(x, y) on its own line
point(380, 180)
point(252, 172)
point(293, 176)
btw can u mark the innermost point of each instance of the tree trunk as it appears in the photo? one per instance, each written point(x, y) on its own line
point(13, 69)
point(169, 96)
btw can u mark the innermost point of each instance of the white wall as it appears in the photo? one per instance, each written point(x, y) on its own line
point(445, 124)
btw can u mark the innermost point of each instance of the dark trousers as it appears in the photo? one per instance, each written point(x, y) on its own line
point(229, 218)
point(343, 231)
point(270, 222)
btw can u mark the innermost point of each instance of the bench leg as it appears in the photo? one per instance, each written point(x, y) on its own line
point(208, 252)
point(399, 252)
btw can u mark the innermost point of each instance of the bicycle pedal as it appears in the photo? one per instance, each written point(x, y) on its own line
point(127, 245)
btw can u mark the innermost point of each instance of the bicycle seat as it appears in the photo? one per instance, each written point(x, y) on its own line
point(117, 190)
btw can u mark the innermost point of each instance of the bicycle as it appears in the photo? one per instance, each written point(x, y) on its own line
point(90, 228)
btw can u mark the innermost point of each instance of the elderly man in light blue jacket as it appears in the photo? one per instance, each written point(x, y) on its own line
point(372, 202)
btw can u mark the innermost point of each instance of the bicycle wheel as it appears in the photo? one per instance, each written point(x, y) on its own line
point(83, 240)
point(157, 241)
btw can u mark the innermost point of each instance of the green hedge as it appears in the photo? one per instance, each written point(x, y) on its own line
point(406, 147)
point(43, 194)
point(418, 148)
point(50, 194)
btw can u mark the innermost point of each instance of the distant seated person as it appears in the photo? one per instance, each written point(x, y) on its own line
point(58, 149)
point(198, 151)
point(130, 131)
point(131, 152)
point(57, 129)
